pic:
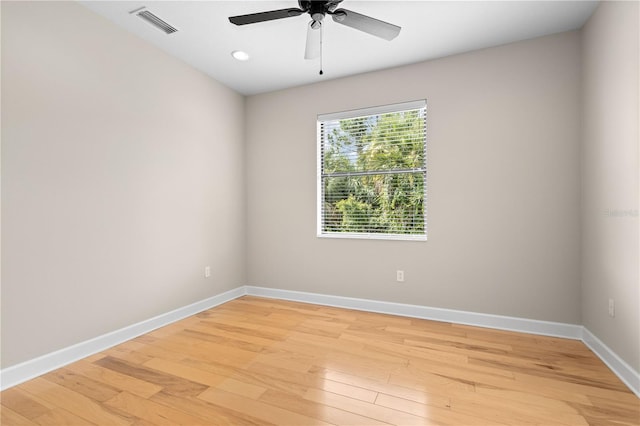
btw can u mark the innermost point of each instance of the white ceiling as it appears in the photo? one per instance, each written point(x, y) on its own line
point(430, 29)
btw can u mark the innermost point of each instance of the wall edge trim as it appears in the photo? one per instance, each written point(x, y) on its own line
point(523, 325)
point(628, 375)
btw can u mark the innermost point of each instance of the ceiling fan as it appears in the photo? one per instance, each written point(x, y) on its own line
point(318, 9)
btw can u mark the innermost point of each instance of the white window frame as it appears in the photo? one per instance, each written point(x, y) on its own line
point(378, 110)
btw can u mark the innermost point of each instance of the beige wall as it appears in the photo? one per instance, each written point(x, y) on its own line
point(122, 177)
point(503, 185)
point(610, 199)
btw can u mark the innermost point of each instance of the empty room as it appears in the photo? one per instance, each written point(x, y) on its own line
point(320, 212)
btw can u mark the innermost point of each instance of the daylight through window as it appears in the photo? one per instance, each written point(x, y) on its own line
point(372, 173)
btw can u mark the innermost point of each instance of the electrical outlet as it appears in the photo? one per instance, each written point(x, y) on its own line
point(207, 271)
point(400, 276)
point(612, 308)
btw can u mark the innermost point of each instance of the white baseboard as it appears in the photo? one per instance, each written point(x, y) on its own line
point(628, 375)
point(27, 370)
point(523, 325)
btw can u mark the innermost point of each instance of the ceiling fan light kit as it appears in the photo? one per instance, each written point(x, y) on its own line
point(314, 40)
point(318, 9)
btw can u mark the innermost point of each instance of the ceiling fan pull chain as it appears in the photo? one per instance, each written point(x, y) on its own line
point(321, 51)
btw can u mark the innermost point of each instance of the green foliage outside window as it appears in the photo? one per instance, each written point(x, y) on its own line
point(373, 174)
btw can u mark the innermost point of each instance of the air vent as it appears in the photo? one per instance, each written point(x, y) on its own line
point(154, 20)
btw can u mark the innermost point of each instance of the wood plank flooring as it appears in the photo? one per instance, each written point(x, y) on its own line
point(256, 361)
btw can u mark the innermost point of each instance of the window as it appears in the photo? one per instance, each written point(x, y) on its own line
point(372, 173)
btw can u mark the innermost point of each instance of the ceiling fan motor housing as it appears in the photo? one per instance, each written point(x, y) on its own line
point(318, 6)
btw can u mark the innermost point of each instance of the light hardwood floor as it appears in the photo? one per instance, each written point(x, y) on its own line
point(256, 361)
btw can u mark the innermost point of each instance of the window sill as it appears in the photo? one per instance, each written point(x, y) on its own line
point(358, 236)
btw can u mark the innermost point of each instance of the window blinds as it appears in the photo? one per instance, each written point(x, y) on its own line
point(372, 173)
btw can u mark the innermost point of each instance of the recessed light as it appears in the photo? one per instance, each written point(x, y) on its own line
point(240, 55)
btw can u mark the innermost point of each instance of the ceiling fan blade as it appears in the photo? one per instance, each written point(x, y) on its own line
point(314, 36)
point(253, 18)
point(366, 23)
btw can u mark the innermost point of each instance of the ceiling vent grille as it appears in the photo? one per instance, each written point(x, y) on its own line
point(155, 21)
